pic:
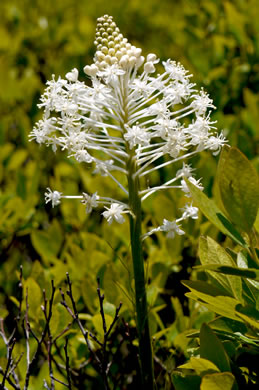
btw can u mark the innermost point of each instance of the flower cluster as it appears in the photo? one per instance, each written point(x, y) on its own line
point(129, 113)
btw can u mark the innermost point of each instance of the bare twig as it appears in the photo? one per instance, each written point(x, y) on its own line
point(10, 348)
point(102, 361)
point(10, 343)
point(47, 310)
point(62, 332)
point(68, 366)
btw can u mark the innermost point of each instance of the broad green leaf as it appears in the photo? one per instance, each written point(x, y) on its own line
point(35, 297)
point(17, 159)
point(250, 273)
point(250, 321)
point(3, 362)
point(239, 188)
point(98, 323)
point(256, 224)
point(186, 382)
point(48, 242)
point(212, 298)
point(211, 252)
point(59, 320)
point(228, 325)
point(201, 366)
point(3, 313)
point(209, 208)
point(218, 381)
point(179, 315)
point(249, 314)
point(204, 287)
point(109, 309)
point(212, 349)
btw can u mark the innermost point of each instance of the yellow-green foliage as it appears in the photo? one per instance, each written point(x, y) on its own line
point(218, 41)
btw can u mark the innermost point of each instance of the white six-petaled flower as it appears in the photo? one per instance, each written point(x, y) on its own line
point(53, 197)
point(90, 201)
point(114, 213)
point(171, 228)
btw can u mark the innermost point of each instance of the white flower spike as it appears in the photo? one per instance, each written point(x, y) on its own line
point(130, 121)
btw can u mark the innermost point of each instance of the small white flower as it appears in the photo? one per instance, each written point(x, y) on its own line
point(159, 109)
point(175, 70)
point(73, 75)
point(171, 228)
point(83, 156)
point(53, 197)
point(103, 167)
point(185, 171)
point(111, 73)
point(176, 142)
point(114, 213)
point(137, 136)
point(189, 211)
point(201, 103)
point(90, 201)
point(185, 187)
point(216, 143)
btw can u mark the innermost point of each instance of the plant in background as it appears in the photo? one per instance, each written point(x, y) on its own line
point(129, 123)
point(229, 345)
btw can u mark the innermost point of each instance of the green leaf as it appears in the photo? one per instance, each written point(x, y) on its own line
point(17, 159)
point(98, 323)
point(35, 298)
point(186, 382)
point(201, 366)
point(3, 313)
point(250, 273)
point(224, 324)
point(179, 315)
point(212, 253)
point(109, 309)
point(256, 224)
point(218, 381)
point(212, 298)
point(249, 314)
point(212, 349)
point(209, 208)
point(48, 242)
point(239, 188)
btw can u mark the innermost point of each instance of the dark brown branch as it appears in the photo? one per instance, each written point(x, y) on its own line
point(10, 348)
point(47, 310)
point(68, 366)
point(102, 361)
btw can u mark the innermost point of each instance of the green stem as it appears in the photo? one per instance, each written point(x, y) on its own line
point(145, 347)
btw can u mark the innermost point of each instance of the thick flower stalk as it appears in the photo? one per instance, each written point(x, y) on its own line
point(131, 121)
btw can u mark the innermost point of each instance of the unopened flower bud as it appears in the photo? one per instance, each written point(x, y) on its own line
point(140, 61)
point(99, 55)
point(137, 52)
point(124, 61)
point(151, 57)
point(91, 70)
point(132, 60)
point(149, 67)
point(73, 75)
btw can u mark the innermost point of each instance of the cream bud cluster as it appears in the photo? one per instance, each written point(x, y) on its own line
point(112, 48)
